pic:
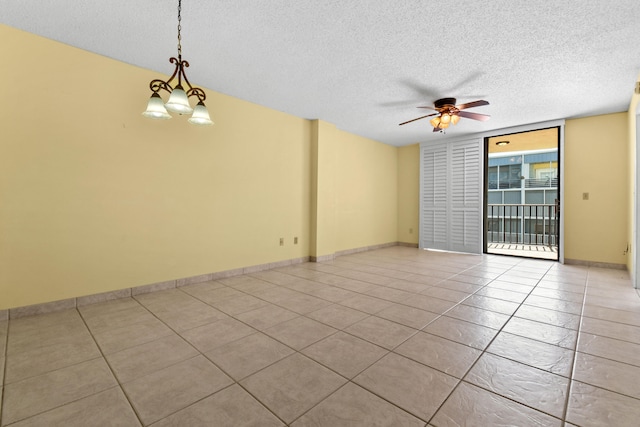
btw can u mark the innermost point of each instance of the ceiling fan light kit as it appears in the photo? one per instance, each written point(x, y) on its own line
point(448, 113)
point(179, 98)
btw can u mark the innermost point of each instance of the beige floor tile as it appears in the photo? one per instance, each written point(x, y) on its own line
point(303, 304)
point(491, 304)
point(300, 332)
point(4, 324)
point(551, 282)
point(519, 279)
point(609, 329)
point(428, 303)
point(169, 390)
point(507, 286)
point(503, 294)
point(275, 277)
point(389, 294)
point(479, 316)
point(544, 332)
point(446, 294)
point(532, 387)
point(231, 407)
point(266, 317)
point(552, 317)
point(189, 316)
point(439, 353)
point(366, 303)
point(24, 339)
point(416, 388)
point(469, 405)
point(609, 348)
point(211, 292)
point(127, 336)
point(248, 355)
point(345, 354)
point(104, 322)
point(276, 294)
point(108, 307)
point(157, 301)
point(292, 386)
point(40, 360)
point(612, 315)
point(56, 388)
point(538, 354)
point(604, 373)
point(559, 294)
point(353, 406)
point(107, 408)
point(554, 304)
point(216, 334)
point(337, 316)
point(462, 332)
point(462, 283)
point(591, 406)
point(241, 304)
point(141, 360)
point(623, 299)
point(332, 293)
point(246, 283)
point(408, 316)
point(382, 332)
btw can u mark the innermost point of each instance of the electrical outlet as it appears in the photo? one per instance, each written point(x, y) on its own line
point(282, 241)
point(295, 240)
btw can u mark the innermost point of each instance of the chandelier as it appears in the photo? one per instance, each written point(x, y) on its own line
point(178, 98)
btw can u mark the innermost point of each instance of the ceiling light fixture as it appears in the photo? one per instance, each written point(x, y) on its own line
point(179, 98)
point(502, 143)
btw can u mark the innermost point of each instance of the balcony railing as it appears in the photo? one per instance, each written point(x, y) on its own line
point(535, 224)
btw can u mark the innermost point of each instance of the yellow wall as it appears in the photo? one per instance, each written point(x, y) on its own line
point(365, 184)
point(596, 150)
point(408, 193)
point(96, 197)
point(633, 170)
point(355, 192)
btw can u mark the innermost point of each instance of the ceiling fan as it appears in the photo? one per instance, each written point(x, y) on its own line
point(447, 113)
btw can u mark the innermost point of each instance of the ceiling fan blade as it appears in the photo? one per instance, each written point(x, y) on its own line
point(472, 104)
point(474, 116)
point(437, 129)
point(413, 120)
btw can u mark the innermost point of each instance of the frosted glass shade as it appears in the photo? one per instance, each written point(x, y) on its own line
point(435, 122)
point(155, 108)
point(179, 102)
point(455, 119)
point(200, 115)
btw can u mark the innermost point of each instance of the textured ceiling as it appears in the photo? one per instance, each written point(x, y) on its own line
point(365, 65)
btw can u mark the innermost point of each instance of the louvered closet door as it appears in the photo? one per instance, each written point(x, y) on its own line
point(433, 232)
point(451, 205)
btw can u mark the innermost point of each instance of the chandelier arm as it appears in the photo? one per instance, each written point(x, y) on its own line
point(157, 84)
point(177, 71)
point(197, 92)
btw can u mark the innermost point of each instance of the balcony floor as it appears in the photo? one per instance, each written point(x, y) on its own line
point(519, 249)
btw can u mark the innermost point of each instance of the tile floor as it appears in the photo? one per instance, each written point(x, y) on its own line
point(393, 337)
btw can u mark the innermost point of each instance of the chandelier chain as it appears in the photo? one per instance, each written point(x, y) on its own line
point(179, 28)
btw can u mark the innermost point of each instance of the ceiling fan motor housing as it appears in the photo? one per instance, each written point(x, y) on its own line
point(445, 102)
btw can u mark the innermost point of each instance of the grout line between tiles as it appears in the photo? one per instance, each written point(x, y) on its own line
point(110, 367)
point(575, 353)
